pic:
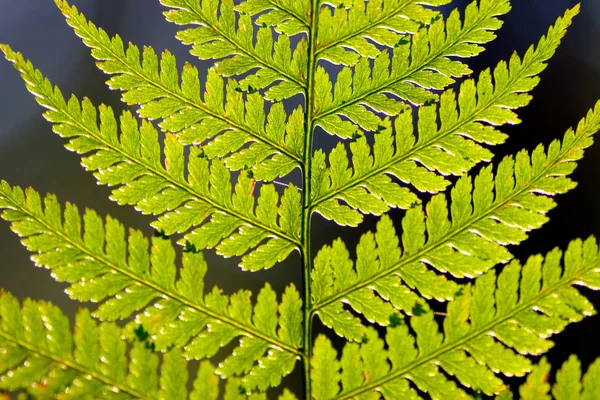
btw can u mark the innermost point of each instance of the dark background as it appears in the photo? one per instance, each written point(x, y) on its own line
point(31, 155)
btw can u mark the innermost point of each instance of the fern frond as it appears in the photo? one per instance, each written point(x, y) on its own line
point(203, 159)
point(485, 216)
point(42, 356)
point(224, 123)
point(424, 157)
point(289, 17)
point(489, 329)
point(103, 266)
point(568, 384)
point(352, 30)
point(230, 38)
point(219, 216)
point(415, 71)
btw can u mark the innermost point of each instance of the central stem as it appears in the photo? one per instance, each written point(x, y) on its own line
point(306, 194)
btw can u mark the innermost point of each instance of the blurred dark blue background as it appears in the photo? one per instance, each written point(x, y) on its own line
point(31, 155)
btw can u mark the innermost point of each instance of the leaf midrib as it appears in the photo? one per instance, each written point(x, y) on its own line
point(73, 365)
point(201, 107)
point(446, 348)
point(306, 169)
point(365, 28)
point(152, 285)
point(467, 225)
point(408, 73)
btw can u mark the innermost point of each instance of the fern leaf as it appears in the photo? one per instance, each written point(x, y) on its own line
point(568, 385)
point(452, 148)
point(224, 130)
point(288, 17)
point(415, 70)
point(103, 266)
point(354, 29)
point(485, 216)
point(41, 355)
point(223, 36)
point(219, 216)
point(203, 159)
point(489, 329)
point(229, 37)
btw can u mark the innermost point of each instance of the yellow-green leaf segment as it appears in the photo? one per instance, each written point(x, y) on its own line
point(207, 155)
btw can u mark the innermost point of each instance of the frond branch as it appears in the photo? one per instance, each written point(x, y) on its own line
point(547, 291)
point(383, 18)
point(266, 63)
point(90, 39)
point(157, 288)
point(448, 45)
point(465, 119)
point(567, 153)
point(43, 90)
point(72, 365)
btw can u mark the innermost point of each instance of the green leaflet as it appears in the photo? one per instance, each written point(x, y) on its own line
point(465, 239)
point(287, 16)
point(104, 266)
point(349, 32)
point(223, 38)
point(410, 74)
point(469, 118)
point(40, 354)
point(568, 385)
point(204, 204)
point(223, 123)
point(488, 329)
